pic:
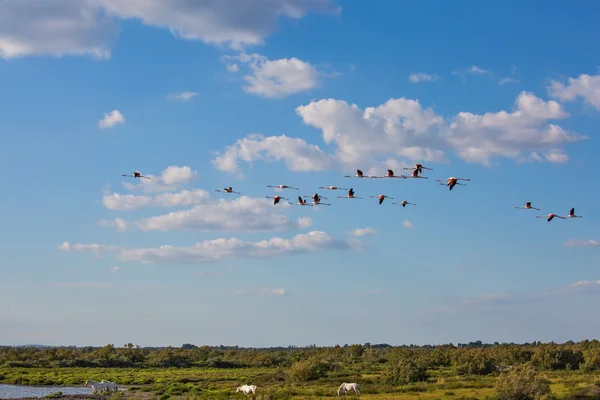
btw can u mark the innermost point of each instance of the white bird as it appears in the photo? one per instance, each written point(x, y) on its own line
point(276, 199)
point(390, 174)
point(404, 203)
point(317, 200)
point(331, 188)
point(301, 202)
point(282, 187)
point(415, 175)
point(452, 181)
point(528, 207)
point(550, 216)
point(572, 214)
point(350, 195)
point(418, 167)
point(359, 174)
point(381, 197)
point(136, 174)
point(227, 190)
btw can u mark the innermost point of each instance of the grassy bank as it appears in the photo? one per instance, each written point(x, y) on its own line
point(443, 383)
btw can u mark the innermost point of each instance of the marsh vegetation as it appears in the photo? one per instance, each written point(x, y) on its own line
point(465, 371)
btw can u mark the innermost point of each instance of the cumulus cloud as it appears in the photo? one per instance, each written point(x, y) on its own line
point(407, 224)
point(233, 67)
point(584, 86)
point(244, 214)
point(219, 249)
point(117, 201)
point(276, 78)
point(111, 119)
point(116, 268)
point(422, 77)
point(171, 178)
point(182, 96)
point(403, 128)
point(66, 27)
point(582, 243)
point(88, 27)
point(363, 232)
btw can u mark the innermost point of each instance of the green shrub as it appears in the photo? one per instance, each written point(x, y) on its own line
point(406, 370)
point(522, 383)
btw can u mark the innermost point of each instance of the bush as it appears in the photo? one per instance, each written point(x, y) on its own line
point(474, 361)
point(309, 370)
point(405, 371)
point(522, 383)
point(556, 358)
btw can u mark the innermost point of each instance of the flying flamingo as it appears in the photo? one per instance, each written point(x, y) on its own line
point(572, 214)
point(528, 207)
point(350, 195)
point(331, 188)
point(136, 174)
point(550, 216)
point(415, 174)
point(452, 181)
point(317, 200)
point(359, 174)
point(227, 190)
point(404, 203)
point(418, 167)
point(282, 187)
point(381, 197)
point(301, 202)
point(390, 174)
point(276, 199)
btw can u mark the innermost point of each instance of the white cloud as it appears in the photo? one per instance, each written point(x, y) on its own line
point(171, 178)
point(407, 224)
point(117, 201)
point(111, 119)
point(182, 96)
point(363, 232)
point(585, 86)
point(262, 292)
point(478, 71)
point(298, 155)
point(506, 80)
point(218, 249)
point(277, 78)
point(82, 27)
point(422, 77)
point(582, 243)
point(29, 27)
point(243, 214)
point(116, 268)
point(233, 68)
point(403, 128)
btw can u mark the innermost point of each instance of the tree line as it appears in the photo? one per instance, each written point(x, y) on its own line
point(312, 362)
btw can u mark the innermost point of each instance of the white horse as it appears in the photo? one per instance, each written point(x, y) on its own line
point(246, 389)
point(111, 386)
point(348, 386)
point(96, 386)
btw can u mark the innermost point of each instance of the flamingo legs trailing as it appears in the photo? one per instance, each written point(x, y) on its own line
point(404, 203)
point(527, 207)
point(276, 199)
point(381, 197)
point(350, 195)
point(550, 216)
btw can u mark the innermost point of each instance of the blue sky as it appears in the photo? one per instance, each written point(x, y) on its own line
point(298, 93)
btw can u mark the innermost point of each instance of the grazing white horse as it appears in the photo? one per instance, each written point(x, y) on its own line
point(96, 386)
point(246, 389)
point(348, 386)
point(110, 386)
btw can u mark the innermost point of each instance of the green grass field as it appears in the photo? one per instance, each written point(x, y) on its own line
point(443, 383)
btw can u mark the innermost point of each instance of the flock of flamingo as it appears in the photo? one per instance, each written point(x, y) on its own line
point(451, 182)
